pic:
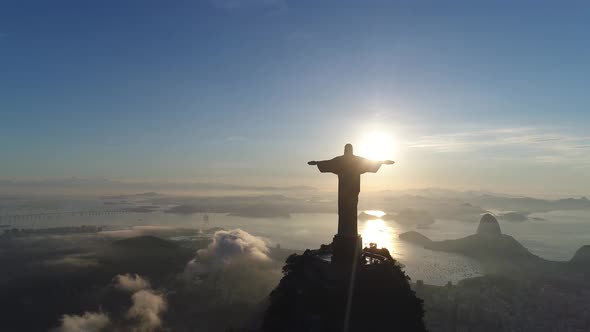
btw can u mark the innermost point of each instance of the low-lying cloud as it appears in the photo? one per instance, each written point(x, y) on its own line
point(131, 282)
point(238, 262)
point(236, 244)
point(147, 309)
point(144, 314)
point(87, 322)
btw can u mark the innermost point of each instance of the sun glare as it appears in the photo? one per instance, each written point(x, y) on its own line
point(377, 231)
point(376, 146)
point(375, 213)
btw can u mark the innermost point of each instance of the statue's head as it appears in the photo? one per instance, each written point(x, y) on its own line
point(348, 149)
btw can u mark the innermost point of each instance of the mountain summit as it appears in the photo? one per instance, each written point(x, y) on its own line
point(487, 243)
point(488, 225)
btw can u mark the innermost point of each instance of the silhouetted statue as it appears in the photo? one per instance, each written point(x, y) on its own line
point(349, 168)
point(358, 290)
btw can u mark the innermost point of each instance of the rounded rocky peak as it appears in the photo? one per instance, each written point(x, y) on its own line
point(582, 256)
point(488, 225)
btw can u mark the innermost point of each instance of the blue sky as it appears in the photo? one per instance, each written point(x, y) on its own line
point(477, 95)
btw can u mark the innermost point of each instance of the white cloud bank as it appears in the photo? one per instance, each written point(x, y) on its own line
point(235, 244)
point(147, 309)
point(131, 282)
point(237, 262)
point(87, 322)
point(144, 315)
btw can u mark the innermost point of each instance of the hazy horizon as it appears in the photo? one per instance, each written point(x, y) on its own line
point(103, 186)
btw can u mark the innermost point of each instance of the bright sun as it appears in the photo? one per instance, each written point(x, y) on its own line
point(376, 146)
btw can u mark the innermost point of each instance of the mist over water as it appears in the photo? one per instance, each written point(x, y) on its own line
point(553, 235)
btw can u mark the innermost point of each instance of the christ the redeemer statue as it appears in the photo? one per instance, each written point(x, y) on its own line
point(349, 168)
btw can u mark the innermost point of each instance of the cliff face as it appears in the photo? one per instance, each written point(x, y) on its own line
point(487, 243)
point(415, 237)
point(582, 257)
point(484, 246)
point(488, 225)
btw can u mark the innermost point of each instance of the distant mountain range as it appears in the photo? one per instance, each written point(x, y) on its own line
point(419, 207)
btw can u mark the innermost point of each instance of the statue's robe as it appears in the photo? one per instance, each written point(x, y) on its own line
point(349, 170)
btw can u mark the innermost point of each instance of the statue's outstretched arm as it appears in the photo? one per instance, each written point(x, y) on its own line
point(326, 166)
point(372, 166)
point(318, 162)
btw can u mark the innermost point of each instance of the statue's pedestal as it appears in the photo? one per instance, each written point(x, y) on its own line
point(346, 250)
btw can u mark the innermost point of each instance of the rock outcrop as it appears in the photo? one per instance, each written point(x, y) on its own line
point(415, 237)
point(313, 296)
point(488, 225)
point(485, 246)
point(582, 257)
point(488, 243)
